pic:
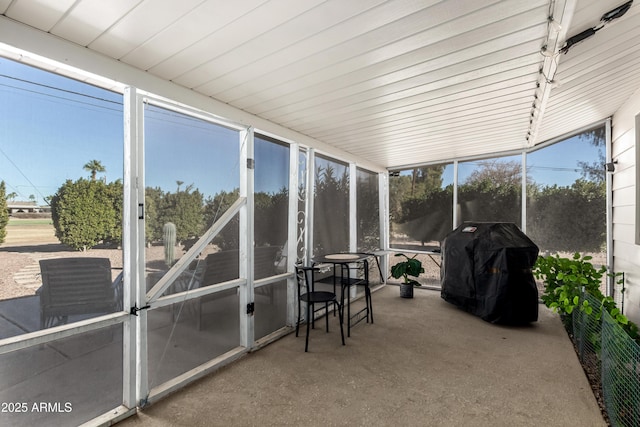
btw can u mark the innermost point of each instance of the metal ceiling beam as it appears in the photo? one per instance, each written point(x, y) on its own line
point(559, 20)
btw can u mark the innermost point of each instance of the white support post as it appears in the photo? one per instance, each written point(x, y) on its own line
point(353, 207)
point(247, 167)
point(383, 203)
point(309, 203)
point(523, 217)
point(353, 219)
point(455, 194)
point(129, 236)
point(609, 209)
point(140, 285)
point(292, 231)
point(135, 375)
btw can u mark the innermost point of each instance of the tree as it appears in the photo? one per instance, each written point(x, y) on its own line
point(368, 210)
point(271, 214)
point(492, 192)
point(215, 207)
point(84, 213)
point(184, 208)
point(497, 175)
point(418, 205)
point(11, 196)
point(426, 180)
point(4, 212)
point(115, 193)
point(594, 171)
point(568, 218)
point(153, 227)
point(94, 166)
point(331, 216)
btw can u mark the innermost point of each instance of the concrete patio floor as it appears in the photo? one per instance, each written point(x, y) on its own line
point(423, 362)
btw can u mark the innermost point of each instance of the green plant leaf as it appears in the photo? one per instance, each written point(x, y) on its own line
point(622, 319)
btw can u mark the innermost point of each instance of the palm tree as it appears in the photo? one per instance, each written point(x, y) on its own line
point(94, 166)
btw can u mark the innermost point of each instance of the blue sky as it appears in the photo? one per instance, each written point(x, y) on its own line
point(47, 135)
point(50, 126)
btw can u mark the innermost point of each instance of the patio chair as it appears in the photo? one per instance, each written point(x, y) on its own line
point(77, 286)
point(223, 266)
point(308, 295)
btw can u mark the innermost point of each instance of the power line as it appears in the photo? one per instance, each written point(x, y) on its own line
point(66, 99)
point(55, 88)
point(22, 173)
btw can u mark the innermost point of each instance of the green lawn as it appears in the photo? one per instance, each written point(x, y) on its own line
point(29, 221)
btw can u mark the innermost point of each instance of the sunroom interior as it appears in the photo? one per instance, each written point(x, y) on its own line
point(271, 132)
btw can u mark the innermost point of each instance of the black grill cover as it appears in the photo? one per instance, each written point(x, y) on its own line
point(486, 270)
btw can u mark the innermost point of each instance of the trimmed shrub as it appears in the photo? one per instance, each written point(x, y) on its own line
point(84, 213)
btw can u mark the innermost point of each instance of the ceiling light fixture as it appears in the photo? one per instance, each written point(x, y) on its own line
point(617, 12)
point(605, 19)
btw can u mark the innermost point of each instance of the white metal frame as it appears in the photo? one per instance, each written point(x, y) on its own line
point(153, 299)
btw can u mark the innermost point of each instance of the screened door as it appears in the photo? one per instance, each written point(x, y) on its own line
point(192, 180)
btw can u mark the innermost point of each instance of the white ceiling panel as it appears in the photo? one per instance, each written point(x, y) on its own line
point(395, 82)
point(388, 115)
point(268, 71)
point(186, 66)
point(4, 4)
point(455, 86)
point(436, 56)
point(202, 21)
point(382, 90)
point(281, 37)
point(437, 102)
point(88, 19)
point(411, 35)
point(42, 14)
point(140, 25)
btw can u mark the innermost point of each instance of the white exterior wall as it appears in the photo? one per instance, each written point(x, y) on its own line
point(626, 254)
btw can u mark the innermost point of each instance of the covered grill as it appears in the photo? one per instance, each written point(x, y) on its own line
point(487, 270)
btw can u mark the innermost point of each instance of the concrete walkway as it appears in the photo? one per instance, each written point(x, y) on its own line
point(423, 363)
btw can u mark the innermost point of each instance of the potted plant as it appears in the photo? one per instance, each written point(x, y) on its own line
point(410, 267)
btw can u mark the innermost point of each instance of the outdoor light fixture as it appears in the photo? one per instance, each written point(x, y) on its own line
point(605, 19)
point(617, 12)
point(611, 166)
point(394, 173)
